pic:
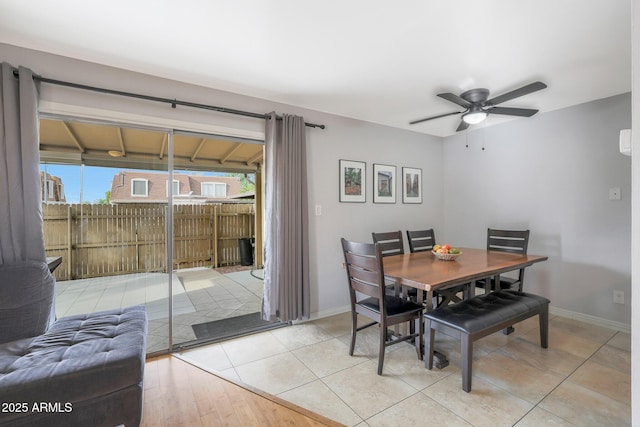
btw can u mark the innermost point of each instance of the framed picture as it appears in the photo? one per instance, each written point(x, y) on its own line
point(384, 184)
point(411, 185)
point(353, 181)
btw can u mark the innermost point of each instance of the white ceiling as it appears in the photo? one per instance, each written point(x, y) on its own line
point(373, 60)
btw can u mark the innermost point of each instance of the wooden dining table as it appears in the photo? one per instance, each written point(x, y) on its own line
point(426, 273)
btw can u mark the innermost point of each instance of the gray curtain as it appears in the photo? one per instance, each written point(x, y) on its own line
point(21, 235)
point(286, 266)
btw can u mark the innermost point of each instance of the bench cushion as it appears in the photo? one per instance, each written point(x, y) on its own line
point(485, 311)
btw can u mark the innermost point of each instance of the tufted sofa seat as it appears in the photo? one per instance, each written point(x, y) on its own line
point(84, 370)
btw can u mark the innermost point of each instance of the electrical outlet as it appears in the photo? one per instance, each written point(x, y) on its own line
point(614, 193)
point(618, 297)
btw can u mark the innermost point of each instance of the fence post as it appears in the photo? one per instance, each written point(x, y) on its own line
point(215, 236)
point(69, 243)
point(211, 240)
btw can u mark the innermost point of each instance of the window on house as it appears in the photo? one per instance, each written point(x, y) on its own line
point(214, 189)
point(175, 187)
point(139, 187)
point(50, 190)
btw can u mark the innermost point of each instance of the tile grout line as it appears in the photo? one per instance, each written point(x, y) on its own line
point(563, 381)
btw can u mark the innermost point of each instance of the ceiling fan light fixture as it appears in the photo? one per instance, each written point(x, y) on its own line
point(474, 117)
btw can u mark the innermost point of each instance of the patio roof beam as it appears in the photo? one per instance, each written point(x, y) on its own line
point(229, 153)
point(254, 159)
point(165, 138)
point(73, 136)
point(195, 155)
point(121, 139)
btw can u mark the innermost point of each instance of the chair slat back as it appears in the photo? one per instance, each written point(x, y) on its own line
point(390, 242)
point(421, 240)
point(364, 268)
point(513, 241)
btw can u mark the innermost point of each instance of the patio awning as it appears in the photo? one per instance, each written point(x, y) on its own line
point(63, 141)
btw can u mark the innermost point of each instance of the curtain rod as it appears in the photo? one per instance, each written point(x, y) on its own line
point(174, 102)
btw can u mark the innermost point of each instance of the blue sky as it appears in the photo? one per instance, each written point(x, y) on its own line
point(97, 180)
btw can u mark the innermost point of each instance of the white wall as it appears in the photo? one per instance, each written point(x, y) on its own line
point(635, 90)
point(342, 139)
point(353, 140)
point(551, 174)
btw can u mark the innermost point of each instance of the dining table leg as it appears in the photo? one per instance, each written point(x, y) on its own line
point(469, 290)
point(492, 284)
point(439, 359)
point(428, 300)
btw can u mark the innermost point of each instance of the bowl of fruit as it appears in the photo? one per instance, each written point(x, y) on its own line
point(445, 252)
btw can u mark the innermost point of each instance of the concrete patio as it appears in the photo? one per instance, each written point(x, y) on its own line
point(199, 295)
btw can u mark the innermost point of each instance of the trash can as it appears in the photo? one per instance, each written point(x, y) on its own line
point(246, 251)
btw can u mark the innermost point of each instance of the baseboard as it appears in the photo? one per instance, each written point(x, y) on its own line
point(593, 320)
point(598, 321)
point(325, 313)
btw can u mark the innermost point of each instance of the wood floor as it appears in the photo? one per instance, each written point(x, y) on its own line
point(177, 393)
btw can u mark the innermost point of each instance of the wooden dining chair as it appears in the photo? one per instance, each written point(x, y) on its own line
point(421, 240)
point(391, 244)
point(512, 241)
point(365, 273)
point(425, 240)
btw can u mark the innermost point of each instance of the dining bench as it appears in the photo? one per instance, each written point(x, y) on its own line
point(479, 316)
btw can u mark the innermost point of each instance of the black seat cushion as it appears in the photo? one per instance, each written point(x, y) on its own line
point(484, 311)
point(394, 305)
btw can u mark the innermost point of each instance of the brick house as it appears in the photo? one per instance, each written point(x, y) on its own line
point(153, 187)
point(52, 188)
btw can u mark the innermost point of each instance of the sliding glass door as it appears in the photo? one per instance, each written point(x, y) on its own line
point(171, 220)
point(105, 219)
point(214, 226)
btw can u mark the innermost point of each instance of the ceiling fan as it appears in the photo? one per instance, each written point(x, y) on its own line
point(478, 106)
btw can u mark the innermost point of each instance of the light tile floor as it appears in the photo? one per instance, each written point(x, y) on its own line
point(199, 295)
point(582, 379)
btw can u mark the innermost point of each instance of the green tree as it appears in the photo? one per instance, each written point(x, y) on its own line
point(106, 200)
point(246, 183)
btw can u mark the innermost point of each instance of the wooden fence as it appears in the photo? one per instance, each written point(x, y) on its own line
point(103, 240)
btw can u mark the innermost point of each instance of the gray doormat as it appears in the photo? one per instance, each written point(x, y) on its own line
point(233, 326)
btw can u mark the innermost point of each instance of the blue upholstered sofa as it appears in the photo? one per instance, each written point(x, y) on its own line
point(84, 370)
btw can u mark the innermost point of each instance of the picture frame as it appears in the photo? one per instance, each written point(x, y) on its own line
point(384, 183)
point(353, 188)
point(411, 185)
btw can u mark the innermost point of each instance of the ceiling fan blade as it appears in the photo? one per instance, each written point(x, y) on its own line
point(525, 90)
point(434, 117)
point(462, 126)
point(455, 99)
point(522, 112)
